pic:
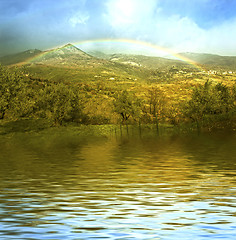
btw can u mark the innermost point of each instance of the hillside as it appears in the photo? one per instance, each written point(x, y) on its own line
point(207, 61)
point(65, 55)
point(71, 56)
point(148, 61)
point(69, 63)
point(212, 60)
point(19, 57)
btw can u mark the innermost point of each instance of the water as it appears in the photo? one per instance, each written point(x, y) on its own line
point(68, 187)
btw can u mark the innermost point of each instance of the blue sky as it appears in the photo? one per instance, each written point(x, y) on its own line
point(181, 25)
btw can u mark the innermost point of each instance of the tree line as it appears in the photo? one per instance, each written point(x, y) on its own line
point(61, 102)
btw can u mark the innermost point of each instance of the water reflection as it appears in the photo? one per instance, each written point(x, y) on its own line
point(55, 187)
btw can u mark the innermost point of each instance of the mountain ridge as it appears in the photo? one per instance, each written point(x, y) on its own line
point(211, 60)
point(19, 57)
point(69, 54)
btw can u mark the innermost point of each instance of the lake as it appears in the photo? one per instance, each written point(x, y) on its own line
point(60, 186)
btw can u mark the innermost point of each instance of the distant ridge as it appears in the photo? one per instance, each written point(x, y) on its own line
point(62, 55)
point(70, 55)
point(99, 54)
point(19, 57)
point(212, 60)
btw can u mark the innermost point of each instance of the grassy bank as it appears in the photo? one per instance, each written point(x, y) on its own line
point(32, 126)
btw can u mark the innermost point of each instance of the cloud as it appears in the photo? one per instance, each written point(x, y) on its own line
point(183, 34)
point(182, 25)
point(164, 23)
point(123, 12)
point(129, 17)
point(222, 38)
point(40, 24)
point(147, 21)
point(179, 33)
point(79, 18)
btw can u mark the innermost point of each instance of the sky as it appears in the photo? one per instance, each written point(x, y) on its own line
point(204, 26)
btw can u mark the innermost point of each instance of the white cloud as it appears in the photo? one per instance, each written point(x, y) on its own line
point(124, 13)
point(186, 35)
point(222, 38)
point(181, 25)
point(145, 21)
point(179, 33)
point(79, 18)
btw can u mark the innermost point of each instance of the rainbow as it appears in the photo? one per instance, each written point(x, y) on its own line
point(137, 43)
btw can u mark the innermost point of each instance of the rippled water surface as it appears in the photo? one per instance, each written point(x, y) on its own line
point(68, 187)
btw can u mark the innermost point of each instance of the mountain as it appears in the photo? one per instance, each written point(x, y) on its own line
point(69, 63)
point(66, 50)
point(65, 55)
point(19, 57)
point(70, 55)
point(212, 60)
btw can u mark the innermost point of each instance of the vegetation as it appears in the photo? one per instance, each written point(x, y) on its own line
point(211, 104)
point(206, 104)
point(127, 106)
point(59, 103)
point(22, 97)
point(10, 90)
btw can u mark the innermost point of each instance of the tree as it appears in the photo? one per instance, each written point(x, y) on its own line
point(209, 103)
point(225, 99)
point(201, 103)
point(11, 83)
point(156, 101)
point(127, 105)
point(60, 103)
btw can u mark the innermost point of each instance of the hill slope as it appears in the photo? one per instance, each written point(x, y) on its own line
point(19, 57)
point(212, 60)
point(65, 55)
point(69, 63)
point(147, 61)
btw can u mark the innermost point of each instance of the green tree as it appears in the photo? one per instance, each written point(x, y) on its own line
point(156, 102)
point(209, 104)
point(202, 102)
point(127, 106)
point(225, 99)
point(24, 104)
point(11, 83)
point(60, 103)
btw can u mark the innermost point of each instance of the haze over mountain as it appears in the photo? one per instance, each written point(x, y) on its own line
point(68, 54)
point(212, 60)
point(19, 57)
point(71, 56)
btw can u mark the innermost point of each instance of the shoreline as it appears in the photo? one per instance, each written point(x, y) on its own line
point(27, 126)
